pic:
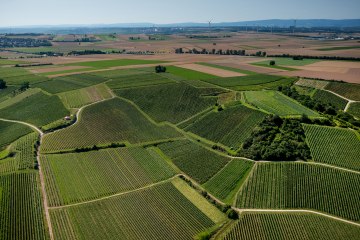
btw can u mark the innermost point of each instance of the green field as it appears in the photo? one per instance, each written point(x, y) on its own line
point(336, 146)
point(295, 226)
point(228, 68)
point(226, 182)
point(21, 212)
point(138, 80)
point(17, 75)
point(84, 96)
point(329, 98)
point(288, 62)
point(11, 99)
point(11, 131)
point(170, 102)
point(6, 93)
point(196, 161)
point(39, 109)
point(103, 173)
point(348, 90)
point(115, 63)
point(159, 212)
point(188, 74)
point(302, 186)
point(110, 74)
point(354, 109)
point(71, 82)
point(230, 127)
point(107, 122)
point(277, 103)
point(312, 83)
point(9, 62)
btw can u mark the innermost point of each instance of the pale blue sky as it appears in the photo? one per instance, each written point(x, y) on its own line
point(50, 12)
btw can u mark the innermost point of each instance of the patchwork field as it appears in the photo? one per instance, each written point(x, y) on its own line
point(210, 70)
point(115, 63)
point(188, 74)
point(104, 123)
point(302, 186)
point(11, 131)
point(138, 80)
point(277, 103)
point(312, 83)
point(335, 146)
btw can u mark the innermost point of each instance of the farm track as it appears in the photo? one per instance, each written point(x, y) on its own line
point(347, 99)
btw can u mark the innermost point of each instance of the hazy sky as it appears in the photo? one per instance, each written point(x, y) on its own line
point(50, 12)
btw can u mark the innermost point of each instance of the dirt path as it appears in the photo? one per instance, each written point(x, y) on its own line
point(23, 123)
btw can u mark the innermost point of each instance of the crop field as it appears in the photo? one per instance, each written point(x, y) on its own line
point(84, 96)
point(231, 127)
point(19, 97)
point(107, 122)
point(312, 83)
point(170, 102)
point(115, 63)
point(288, 62)
point(246, 72)
point(11, 132)
point(24, 151)
point(6, 93)
point(335, 146)
point(196, 161)
point(72, 82)
point(348, 90)
point(139, 80)
point(302, 186)
point(277, 103)
point(188, 74)
point(354, 109)
point(31, 78)
point(38, 109)
point(136, 215)
point(4, 62)
point(327, 97)
point(109, 74)
point(226, 182)
point(21, 213)
point(103, 173)
point(296, 226)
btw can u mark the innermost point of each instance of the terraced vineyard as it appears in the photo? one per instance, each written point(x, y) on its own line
point(227, 181)
point(170, 102)
point(38, 109)
point(354, 109)
point(230, 127)
point(79, 98)
point(138, 80)
point(137, 215)
point(11, 131)
point(302, 186)
point(327, 97)
point(348, 90)
point(277, 103)
point(296, 226)
point(103, 173)
point(104, 123)
point(196, 161)
point(21, 213)
point(336, 146)
point(312, 83)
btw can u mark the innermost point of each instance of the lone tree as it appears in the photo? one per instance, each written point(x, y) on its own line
point(2, 84)
point(160, 69)
point(272, 63)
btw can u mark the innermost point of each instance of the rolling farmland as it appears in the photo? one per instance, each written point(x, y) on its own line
point(277, 103)
point(297, 226)
point(354, 109)
point(350, 91)
point(11, 131)
point(114, 63)
point(230, 127)
point(104, 123)
point(103, 173)
point(302, 186)
point(196, 161)
point(138, 80)
point(170, 102)
point(125, 217)
point(327, 97)
point(335, 146)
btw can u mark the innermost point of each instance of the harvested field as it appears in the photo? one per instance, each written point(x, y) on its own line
point(210, 70)
point(55, 69)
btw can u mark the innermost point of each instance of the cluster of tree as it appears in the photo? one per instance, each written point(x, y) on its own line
point(96, 148)
point(316, 57)
point(277, 139)
point(33, 65)
point(207, 36)
point(260, 54)
point(49, 53)
point(86, 52)
point(6, 42)
point(213, 51)
point(160, 69)
point(134, 38)
point(2, 84)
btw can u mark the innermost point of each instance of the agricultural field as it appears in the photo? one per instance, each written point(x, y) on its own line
point(38, 109)
point(198, 162)
point(228, 180)
point(302, 186)
point(126, 217)
point(11, 132)
point(139, 80)
point(287, 62)
point(84, 96)
point(115, 63)
point(6, 93)
point(329, 98)
point(68, 83)
point(350, 91)
point(104, 123)
point(188, 74)
point(171, 102)
point(103, 173)
point(354, 109)
point(312, 83)
point(335, 146)
point(230, 127)
point(16, 76)
point(277, 103)
point(18, 97)
point(21, 212)
point(297, 226)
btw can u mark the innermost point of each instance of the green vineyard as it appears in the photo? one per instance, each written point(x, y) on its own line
point(329, 98)
point(348, 90)
point(139, 80)
point(312, 83)
point(11, 131)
